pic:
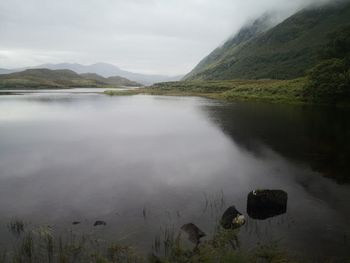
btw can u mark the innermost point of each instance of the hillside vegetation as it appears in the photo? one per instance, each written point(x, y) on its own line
point(285, 51)
point(102, 69)
point(46, 78)
point(330, 79)
point(115, 80)
point(287, 91)
point(304, 59)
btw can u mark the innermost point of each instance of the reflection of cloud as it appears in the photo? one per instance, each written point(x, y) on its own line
point(124, 154)
point(27, 111)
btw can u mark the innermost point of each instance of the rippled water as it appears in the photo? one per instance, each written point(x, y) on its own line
point(140, 163)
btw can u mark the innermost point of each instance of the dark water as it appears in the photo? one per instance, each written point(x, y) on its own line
point(144, 163)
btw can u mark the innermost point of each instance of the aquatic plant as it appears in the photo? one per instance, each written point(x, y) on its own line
point(16, 227)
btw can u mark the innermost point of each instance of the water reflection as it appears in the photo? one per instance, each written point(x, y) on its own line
point(141, 162)
point(318, 136)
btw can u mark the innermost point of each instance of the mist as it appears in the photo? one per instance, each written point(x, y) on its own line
point(151, 36)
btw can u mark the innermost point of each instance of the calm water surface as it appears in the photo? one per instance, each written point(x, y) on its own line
point(142, 163)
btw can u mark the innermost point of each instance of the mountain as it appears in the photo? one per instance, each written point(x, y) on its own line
point(247, 33)
point(114, 80)
point(60, 78)
point(6, 71)
point(284, 51)
point(103, 69)
point(108, 70)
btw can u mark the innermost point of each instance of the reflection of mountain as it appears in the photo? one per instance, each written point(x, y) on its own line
point(318, 136)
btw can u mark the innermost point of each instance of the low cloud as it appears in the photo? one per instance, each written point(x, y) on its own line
point(149, 36)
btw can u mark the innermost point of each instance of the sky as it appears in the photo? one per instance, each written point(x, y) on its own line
point(148, 36)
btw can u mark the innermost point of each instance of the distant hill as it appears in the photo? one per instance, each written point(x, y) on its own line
point(63, 78)
point(103, 69)
point(6, 71)
point(284, 51)
point(114, 80)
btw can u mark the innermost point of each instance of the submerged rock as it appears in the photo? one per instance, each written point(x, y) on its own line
point(75, 223)
point(194, 233)
point(100, 223)
point(263, 204)
point(232, 219)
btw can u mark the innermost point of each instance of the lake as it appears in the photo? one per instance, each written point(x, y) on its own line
point(146, 163)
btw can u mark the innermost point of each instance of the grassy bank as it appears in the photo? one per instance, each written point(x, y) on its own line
point(287, 91)
point(40, 244)
point(23, 83)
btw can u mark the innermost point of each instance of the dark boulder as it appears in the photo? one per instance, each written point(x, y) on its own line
point(232, 219)
point(194, 233)
point(75, 223)
point(263, 204)
point(100, 223)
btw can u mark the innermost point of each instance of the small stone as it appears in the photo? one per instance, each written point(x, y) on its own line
point(194, 233)
point(232, 218)
point(100, 223)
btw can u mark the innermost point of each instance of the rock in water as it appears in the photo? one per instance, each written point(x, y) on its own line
point(263, 204)
point(232, 219)
point(100, 223)
point(194, 233)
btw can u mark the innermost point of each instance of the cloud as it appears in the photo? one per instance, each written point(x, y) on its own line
point(150, 36)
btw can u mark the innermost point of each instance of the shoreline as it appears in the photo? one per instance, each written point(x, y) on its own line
point(269, 91)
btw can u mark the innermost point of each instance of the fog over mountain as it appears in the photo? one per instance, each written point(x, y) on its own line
point(103, 69)
point(287, 50)
point(151, 37)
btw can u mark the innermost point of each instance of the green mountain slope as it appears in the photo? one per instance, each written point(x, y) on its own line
point(285, 51)
point(46, 78)
point(114, 80)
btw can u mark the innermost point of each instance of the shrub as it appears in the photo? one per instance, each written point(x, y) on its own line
point(330, 79)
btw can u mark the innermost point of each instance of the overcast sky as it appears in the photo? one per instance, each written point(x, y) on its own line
point(148, 36)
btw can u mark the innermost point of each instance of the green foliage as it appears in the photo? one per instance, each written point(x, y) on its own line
point(286, 51)
point(338, 45)
point(330, 79)
point(223, 247)
point(46, 78)
point(290, 91)
point(115, 80)
point(268, 90)
point(40, 245)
